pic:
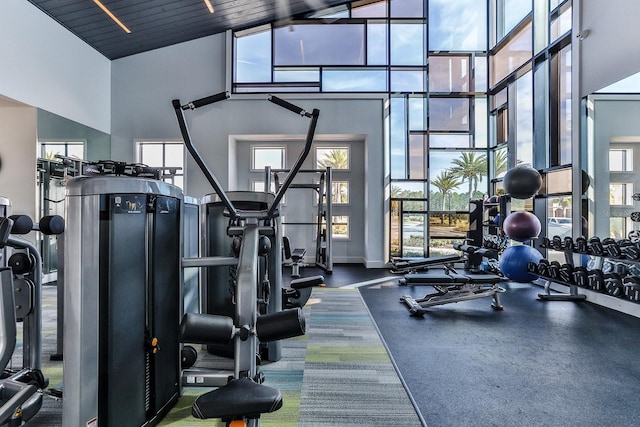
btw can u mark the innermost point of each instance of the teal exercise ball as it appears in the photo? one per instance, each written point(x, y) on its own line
point(514, 260)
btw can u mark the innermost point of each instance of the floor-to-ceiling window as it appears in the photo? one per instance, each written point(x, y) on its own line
point(474, 87)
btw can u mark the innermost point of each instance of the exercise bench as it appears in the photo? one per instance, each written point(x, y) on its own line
point(408, 265)
point(296, 257)
point(451, 286)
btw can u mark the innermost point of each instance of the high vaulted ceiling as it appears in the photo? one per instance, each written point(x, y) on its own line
point(159, 23)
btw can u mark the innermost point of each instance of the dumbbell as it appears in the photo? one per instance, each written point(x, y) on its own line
point(556, 243)
point(568, 244)
point(631, 252)
point(581, 245)
point(543, 267)
point(595, 245)
point(611, 247)
point(546, 243)
point(532, 267)
point(565, 274)
point(595, 280)
point(613, 284)
point(580, 277)
point(632, 288)
point(554, 270)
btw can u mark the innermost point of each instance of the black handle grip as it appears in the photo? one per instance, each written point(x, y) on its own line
point(22, 224)
point(289, 106)
point(51, 224)
point(206, 100)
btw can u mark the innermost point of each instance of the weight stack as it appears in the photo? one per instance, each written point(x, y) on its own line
point(122, 263)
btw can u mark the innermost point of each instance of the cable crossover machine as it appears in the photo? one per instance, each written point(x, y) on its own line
point(324, 217)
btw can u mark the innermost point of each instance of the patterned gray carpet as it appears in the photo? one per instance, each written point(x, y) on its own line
point(339, 373)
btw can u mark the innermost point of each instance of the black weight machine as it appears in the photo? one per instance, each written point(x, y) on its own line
point(257, 317)
point(451, 286)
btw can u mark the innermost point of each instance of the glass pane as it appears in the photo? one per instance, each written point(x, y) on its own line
point(178, 181)
point(413, 233)
point(376, 43)
point(340, 227)
point(416, 157)
point(457, 25)
point(407, 81)
point(449, 114)
point(540, 19)
point(511, 56)
point(449, 74)
point(619, 227)
point(407, 190)
point(268, 156)
point(621, 160)
point(174, 155)
point(564, 98)
point(559, 214)
point(283, 75)
point(354, 80)
point(500, 161)
point(557, 181)
point(151, 154)
point(449, 140)
point(620, 193)
point(395, 228)
point(481, 136)
point(442, 225)
point(512, 12)
point(336, 157)
point(441, 247)
point(407, 8)
point(524, 119)
point(398, 138)
point(49, 151)
point(560, 25)
point(367, 9)
point(340, 192)
point(407, 44)
point(463, 172)
point(319, 44)
point(417, 111)
point(480, 78)
point(253, 57)
point(445, 191)
point(75, 150)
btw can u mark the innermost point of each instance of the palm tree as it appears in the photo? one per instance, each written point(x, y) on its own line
point(471, 167)
point(445, 182)
point(500, 162)
point(337, 159)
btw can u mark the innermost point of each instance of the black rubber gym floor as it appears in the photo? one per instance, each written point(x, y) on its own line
point(534, 364)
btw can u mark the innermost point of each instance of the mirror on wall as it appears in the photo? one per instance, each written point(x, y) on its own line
point(60, 136)
point(611, 155)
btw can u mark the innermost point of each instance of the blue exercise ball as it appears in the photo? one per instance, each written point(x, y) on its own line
point(522, 182)
point(514, 260)
point(521, 226)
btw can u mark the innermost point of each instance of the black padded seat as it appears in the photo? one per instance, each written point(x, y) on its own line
point(436, 278)
point(240, 398)
point(307, 282)
point(421, 262)
point(484, 278)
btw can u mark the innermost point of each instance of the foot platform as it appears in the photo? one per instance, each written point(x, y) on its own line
point(242, 398)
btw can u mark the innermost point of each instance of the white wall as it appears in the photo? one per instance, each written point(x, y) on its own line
point(611, 51)
point(18, 155)
point(144, 85)
point(46, 66)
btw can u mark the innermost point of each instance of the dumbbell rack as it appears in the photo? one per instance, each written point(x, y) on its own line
point(492, 234)
point(618, 284)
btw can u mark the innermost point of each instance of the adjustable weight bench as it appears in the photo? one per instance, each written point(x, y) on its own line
point(452, 286)
point(296, 257)
point(407, 265)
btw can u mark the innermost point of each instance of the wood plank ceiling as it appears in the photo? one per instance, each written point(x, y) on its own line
point(159, 23)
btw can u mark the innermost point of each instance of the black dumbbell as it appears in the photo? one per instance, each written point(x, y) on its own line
point(543, 267)
point(581, 245)
point(595, 246)
point(580, 276)
point(566, 273)
point(568, 244)
point(613, 284)
point(596, 280)
point(556, 243)
point(631, 252)
point(632, 288)
point(546, 243)
point(554, 270)
point(611, 247)
point(532, 267)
